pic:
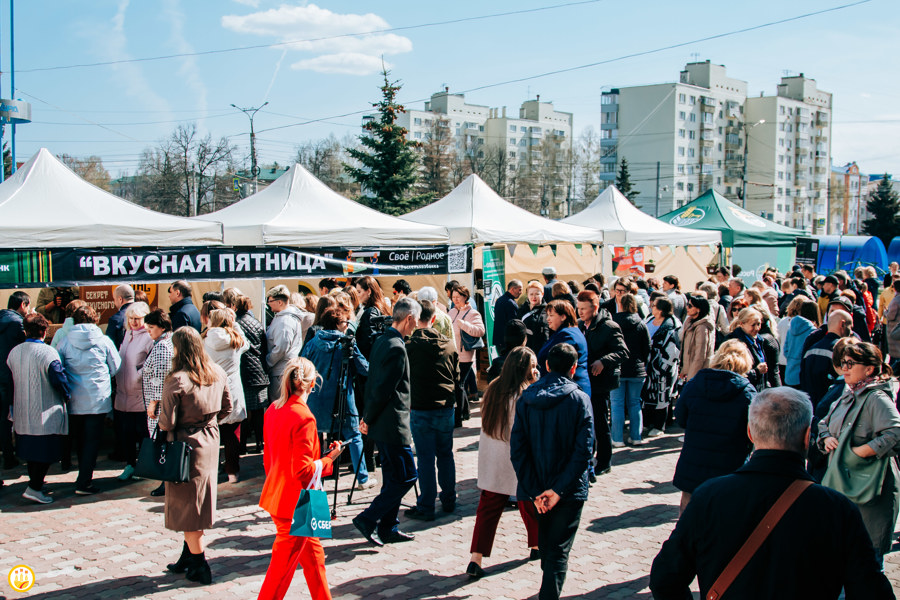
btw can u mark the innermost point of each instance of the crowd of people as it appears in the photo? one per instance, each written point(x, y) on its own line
point(788, 378)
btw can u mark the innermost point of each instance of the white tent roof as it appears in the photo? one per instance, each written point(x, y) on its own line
point(623, 223)
point(45, 205)
point(474, 213)
point(299, 210)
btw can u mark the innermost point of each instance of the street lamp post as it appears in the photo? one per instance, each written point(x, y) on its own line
point(254, 169)
point(744, 173)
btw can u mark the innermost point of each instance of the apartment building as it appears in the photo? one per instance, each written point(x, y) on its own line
point(789, 154)
point(847, 197)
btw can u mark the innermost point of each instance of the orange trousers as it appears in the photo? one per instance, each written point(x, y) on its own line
point(287, 552)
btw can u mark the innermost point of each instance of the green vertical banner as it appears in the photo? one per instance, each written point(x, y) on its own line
point(494, 269)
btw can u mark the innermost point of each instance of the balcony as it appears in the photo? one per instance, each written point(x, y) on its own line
point(822, 118)
point(708, 108)
point(802, 143)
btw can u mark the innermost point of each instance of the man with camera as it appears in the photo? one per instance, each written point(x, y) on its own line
point(434, 369)
point(386, 422)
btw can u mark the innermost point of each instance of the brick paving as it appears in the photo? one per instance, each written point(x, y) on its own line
point(113, 545)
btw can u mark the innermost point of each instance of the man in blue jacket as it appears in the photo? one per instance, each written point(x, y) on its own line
point(12, 333)
point(506, 308)
point(550, 447)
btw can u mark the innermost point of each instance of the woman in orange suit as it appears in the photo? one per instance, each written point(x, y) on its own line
point(290, 459)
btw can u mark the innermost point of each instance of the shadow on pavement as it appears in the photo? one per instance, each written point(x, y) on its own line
point(645, 516)
point(656, 487)
point(615, 590)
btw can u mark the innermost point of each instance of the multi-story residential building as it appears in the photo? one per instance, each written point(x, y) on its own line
point(789, 154)
point(688, 132)
point(525, 157)
point(847, 199)
point(683, 138)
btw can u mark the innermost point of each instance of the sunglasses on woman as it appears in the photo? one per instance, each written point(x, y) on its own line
point(848, 364)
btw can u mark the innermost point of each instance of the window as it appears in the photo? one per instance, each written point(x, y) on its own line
point(681, 98)
point(680, 150)
point(512, 154)
point(690, 169)
point(781, 142)
point(681, 169)
point(780, 191)
point(523, 129)
point(681, 115)
point(512, 128)
point(693, 118)
point(680, 186)
point(720, 146)
point(692, 100)
point(727, 189)
point(720, 131)
point(781, 159)
point(692, 135)
point(417, 121)
point(481, 128)
point(781, 110)
point(718, 181)
point(690, 187)
point(512, 141)
point(691, 153)
point(781, 175)
point(681, 133)
point(418, 135)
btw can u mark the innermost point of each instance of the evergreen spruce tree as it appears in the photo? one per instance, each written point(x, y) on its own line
point(623, 182)
point(388, 163)
point(884, 208)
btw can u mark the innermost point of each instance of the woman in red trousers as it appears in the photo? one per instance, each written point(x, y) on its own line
point(496, 477)
point(291, 458)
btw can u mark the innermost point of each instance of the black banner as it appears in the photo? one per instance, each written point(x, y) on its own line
point(87, 266)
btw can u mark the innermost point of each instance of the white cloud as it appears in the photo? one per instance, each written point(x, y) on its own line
point(354, 52)
point(344, 63)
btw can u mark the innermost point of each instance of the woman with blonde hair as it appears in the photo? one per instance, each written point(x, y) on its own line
point(225, 345)
point(533, 313)
point(496, 476)
point(712, 409)
point(293, 462)
point(746, 328)
point(230, 297)
point(195, 398)
point(131, 424)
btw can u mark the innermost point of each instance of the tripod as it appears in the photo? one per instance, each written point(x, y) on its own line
point(339, 412)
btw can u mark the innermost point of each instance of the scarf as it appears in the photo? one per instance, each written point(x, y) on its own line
point(754, 344)
point(859, 385)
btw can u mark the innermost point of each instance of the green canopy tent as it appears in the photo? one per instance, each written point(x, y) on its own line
point(754, 242)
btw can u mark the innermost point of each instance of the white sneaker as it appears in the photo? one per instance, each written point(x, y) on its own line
point(36, 496)
point(618, 444)
point(368, 485)
point(654, 432)
point(641, 442)
point(681, 438)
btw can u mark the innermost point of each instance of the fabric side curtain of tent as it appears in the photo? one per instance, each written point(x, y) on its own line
point(850, 251)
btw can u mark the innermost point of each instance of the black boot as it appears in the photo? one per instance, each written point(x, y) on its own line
point(182, 563)
point(198, 569)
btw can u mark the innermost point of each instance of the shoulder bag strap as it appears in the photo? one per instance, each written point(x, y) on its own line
point(759, 535)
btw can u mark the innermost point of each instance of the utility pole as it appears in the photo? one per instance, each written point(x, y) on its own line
point(744, 174)
point(254, 169)
point(657, 190)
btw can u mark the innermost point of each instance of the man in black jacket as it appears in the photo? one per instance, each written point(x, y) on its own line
point(12, 333)
point(550, 448)
point(724, 511)
point(183, 312)
point(123, 297)
point(505, 310)
point(434, 379)
point(386, 422)
point(606, 351)
point(817, 372)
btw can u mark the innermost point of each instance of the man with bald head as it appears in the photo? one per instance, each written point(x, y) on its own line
point(724, 511)
point(123, 297)
point(816, 371)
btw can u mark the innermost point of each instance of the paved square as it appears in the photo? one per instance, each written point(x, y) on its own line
point(113, 545)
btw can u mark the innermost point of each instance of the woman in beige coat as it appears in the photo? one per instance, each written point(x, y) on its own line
point(698, 338)
point(496, 477)
point(195, 398)
point(465, 318)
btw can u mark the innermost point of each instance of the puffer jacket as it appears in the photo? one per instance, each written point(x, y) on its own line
point(326, 353)
point(134, 350)
point(253, 367)
point(637, 341)
point(285, 339)
point(12, 333)
point(218, 346)
point(90, 360)
point(712, 408)
point(433, 370)
point(797, 333)
point(552, 439)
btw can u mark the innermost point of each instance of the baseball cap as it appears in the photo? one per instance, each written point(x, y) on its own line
point(548, 271)
point(830, 279)
point(516, 328)
point(844, 302)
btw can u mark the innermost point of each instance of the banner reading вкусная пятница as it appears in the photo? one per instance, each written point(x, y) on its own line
point(86, 266)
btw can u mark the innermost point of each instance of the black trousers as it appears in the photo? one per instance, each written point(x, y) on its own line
point(131, 428)
point(6, 443)
point(85, 432)
point(253, 424)
point(556, 533)
point(36, 474)
point(602, 438)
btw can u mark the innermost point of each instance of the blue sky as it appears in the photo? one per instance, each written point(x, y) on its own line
point(115, 111)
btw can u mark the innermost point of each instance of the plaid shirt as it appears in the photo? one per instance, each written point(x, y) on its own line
point(153, 376)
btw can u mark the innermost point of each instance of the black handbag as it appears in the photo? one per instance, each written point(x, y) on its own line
point(163, 460)
point(470, 342)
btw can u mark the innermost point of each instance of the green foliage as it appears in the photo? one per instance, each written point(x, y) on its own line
point(623, 182)
point(884, 211)
point(387, 162)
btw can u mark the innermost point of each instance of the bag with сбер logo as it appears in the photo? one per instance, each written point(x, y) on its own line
point(312, 517)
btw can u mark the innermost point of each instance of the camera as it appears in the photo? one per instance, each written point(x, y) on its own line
point(380, 323)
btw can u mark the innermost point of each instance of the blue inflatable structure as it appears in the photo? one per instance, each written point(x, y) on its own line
point(850, 251)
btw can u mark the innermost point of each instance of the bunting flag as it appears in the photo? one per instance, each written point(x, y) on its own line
point(578, 248)
point(657, 248)
point(534, 248)
point(553, 249)
point(672, 249)
point(713, 248)
point(698, 249)
point(512, 249)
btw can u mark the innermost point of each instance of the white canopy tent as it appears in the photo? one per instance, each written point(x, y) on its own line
point(474, 213)
point(45, 205)
point(299, 210)
point(625, 224)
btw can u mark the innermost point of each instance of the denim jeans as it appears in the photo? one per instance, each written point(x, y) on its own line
point(628, 394)
point(432, 432)
point(350, 432)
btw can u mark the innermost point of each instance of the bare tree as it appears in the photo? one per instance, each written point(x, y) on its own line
point(188, 174)
point(439, 159)
point(325, 159)
point(587, 166)
point(497, 173)
point(90, 169)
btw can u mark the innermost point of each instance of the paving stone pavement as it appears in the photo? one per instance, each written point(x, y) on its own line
point(113, 545)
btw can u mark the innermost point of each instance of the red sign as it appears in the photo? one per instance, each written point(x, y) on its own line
point(628, 262)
